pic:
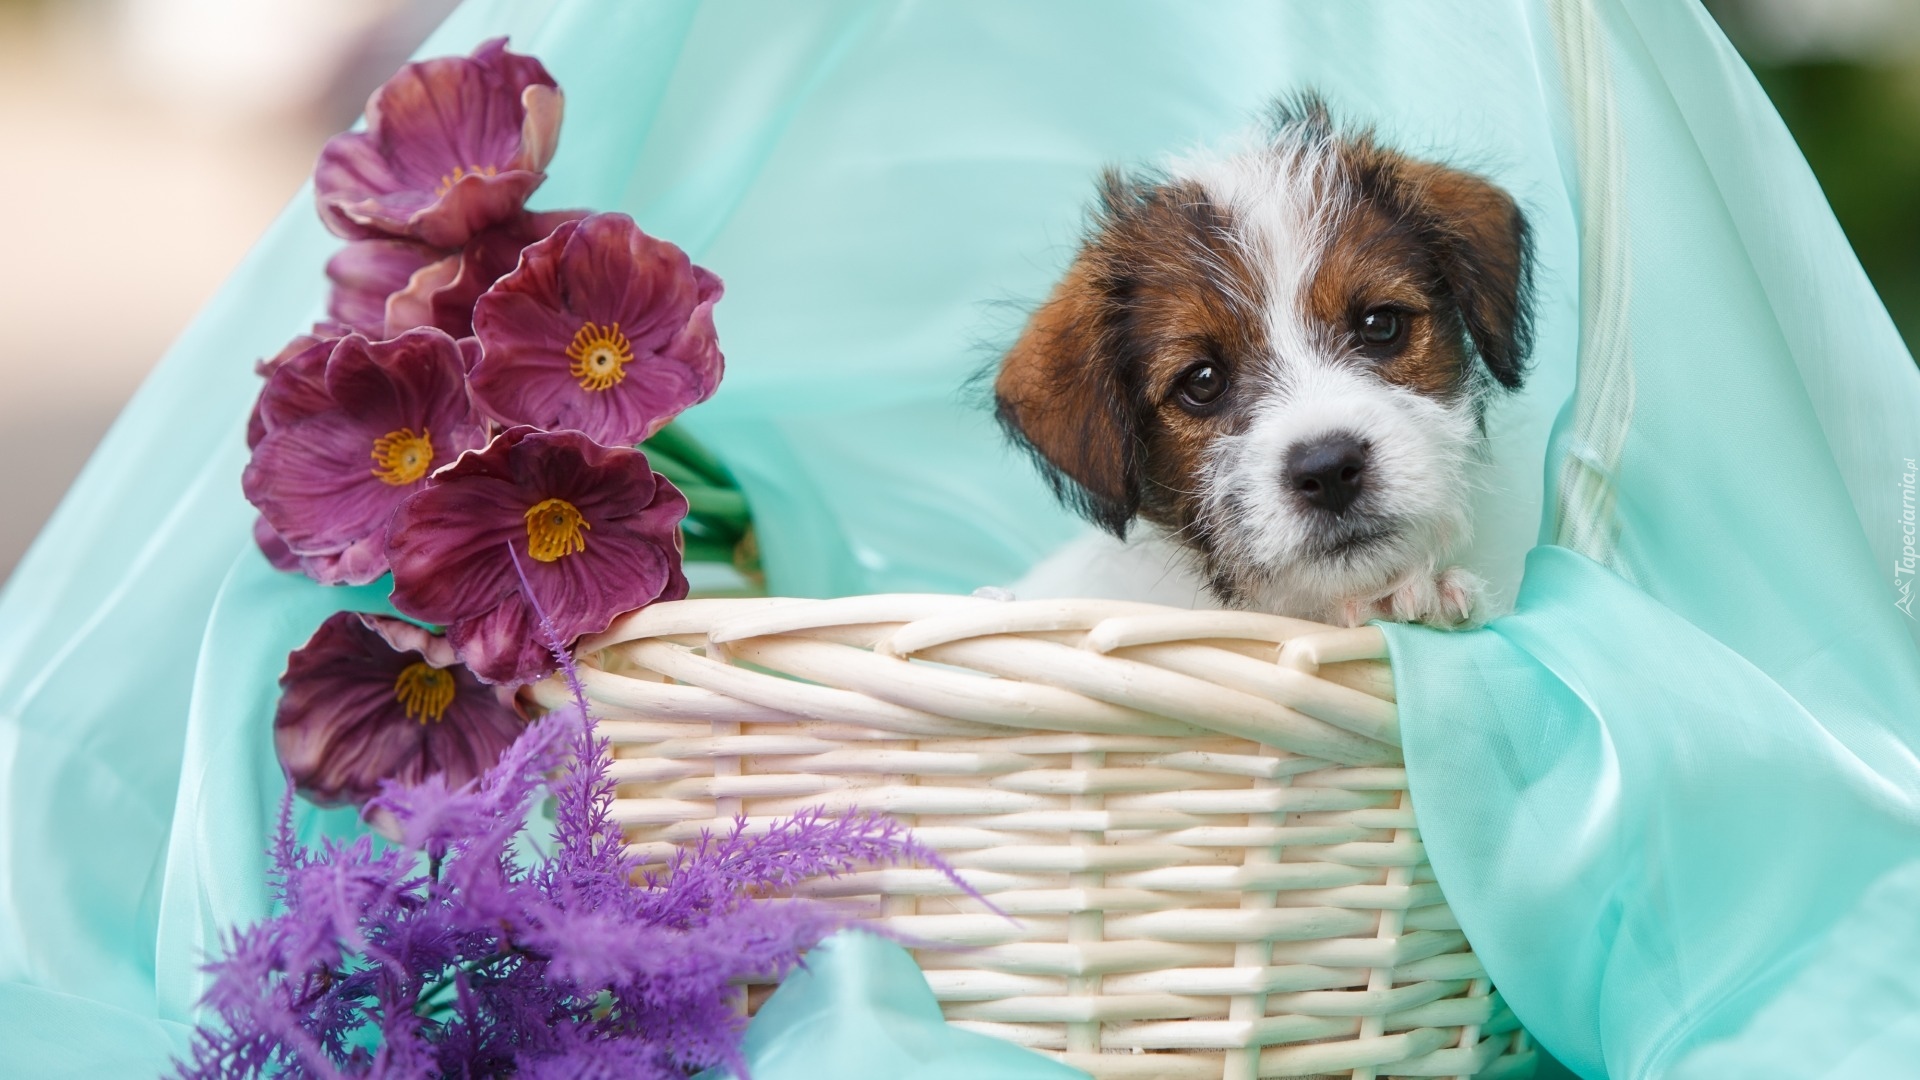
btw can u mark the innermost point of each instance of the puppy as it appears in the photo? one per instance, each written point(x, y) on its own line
point(1280, 360)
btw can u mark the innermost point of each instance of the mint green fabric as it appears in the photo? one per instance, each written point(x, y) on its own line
point(1641, 832)
point(861, 1008)
point(1849, 1012)
point(1649, 794)
point(1658, 794)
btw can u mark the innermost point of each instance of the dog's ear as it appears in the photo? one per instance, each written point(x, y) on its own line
point(1485, 253)
point(1059, 395)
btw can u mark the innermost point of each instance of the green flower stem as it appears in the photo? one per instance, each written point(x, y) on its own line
point(717, 514)
point(704, 550)
point(720, 532)
point(682, 474)
point(717, 504)
point(671, 441)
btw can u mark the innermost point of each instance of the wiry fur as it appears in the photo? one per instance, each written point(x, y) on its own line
point(1261, 262)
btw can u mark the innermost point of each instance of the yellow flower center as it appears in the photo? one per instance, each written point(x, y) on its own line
point(424, 691)
point(459, 172)
point(600, 356)
point(401, 457)
point(553, 530)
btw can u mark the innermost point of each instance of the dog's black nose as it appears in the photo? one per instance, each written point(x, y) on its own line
point(1328, 473)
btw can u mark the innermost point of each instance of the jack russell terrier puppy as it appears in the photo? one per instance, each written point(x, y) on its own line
point(1280, 361)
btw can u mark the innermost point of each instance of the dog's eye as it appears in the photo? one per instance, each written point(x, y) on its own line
point(1201, 385)
point(1381, 326)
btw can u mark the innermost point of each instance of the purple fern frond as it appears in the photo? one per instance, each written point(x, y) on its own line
point(586, 836)
point(447, 953)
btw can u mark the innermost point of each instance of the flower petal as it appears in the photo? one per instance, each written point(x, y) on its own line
point(448, 544)
point(314, 483)
point(296, 383)
point(540, 133)
point(502, 645)
point(321, 481)
point(342, 727)
point(685, 371)
point(445, 297)
point(403, 636)
point(452, 145)
point(412, 304)
point(366, 273)
point(279, 555)
point(361, 562)
point(525, 375)
point(599, 289)
point(453, 547)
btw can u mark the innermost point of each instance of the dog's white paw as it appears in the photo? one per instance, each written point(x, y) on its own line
point(1445, 599)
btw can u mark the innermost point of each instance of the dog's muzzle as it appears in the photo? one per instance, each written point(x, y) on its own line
point(1328, 473)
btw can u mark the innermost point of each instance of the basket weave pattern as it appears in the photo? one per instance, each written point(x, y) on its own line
point(1196, 821)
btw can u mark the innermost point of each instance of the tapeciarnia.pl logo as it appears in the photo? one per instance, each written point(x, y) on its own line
point(1904, 565)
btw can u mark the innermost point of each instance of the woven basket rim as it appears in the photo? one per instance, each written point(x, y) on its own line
point(1200, 819)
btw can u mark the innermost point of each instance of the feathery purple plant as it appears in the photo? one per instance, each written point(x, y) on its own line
point(449, 952)
point(448, 955)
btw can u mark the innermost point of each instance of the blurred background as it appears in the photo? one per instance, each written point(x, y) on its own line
point(148, 144)
point(219, 106)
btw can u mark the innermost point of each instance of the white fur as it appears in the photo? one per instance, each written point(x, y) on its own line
point(1285, 200)
point(1147, 566)
point(1416, 485)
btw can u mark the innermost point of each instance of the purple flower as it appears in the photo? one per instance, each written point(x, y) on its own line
point(595, 529)
point(366, 273)
point(443, 295)
point(386, 287)
point(452, 145)
point(303, 392)
point(601, 329)
point(301, 366)
point(339, 452)
point(279, 555)
point(371, 699)
point(483, 964)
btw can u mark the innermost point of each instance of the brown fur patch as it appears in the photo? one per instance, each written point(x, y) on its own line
point(1374, 260)
point(1090, 386)
point(1060, 396)
point(1465, 239)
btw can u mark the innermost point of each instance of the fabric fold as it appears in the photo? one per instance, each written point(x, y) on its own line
point(1643, 834)
point(859, 1009)
point(1650, 794)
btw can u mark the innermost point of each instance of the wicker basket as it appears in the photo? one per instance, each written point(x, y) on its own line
point(1196, 819)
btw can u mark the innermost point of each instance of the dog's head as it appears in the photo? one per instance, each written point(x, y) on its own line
point(1282, 357)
